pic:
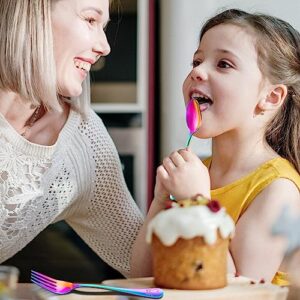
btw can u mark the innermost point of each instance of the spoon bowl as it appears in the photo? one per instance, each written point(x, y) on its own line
point(193, 121)
point(193, 118)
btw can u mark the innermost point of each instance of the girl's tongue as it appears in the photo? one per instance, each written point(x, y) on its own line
point(204, 106)
point(203, 101)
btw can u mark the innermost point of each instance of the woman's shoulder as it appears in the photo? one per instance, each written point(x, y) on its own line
point(94, 131)
point(91, 122)
point(91, 116)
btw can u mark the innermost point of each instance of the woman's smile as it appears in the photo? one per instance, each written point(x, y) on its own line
point(79, 41)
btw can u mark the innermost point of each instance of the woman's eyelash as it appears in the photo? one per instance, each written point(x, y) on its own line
point(91, 20)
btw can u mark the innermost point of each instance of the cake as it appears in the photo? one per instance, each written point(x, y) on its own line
point(189, 241)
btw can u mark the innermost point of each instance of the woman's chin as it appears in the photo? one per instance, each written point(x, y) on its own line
point(71, 93)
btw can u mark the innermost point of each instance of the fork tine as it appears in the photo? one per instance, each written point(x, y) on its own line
point(44, 286)
point(42, 276)
point(43, 281)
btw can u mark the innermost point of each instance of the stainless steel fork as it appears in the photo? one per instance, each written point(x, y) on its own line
point(64, 287)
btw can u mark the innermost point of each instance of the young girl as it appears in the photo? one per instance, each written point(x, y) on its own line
point(246, 77)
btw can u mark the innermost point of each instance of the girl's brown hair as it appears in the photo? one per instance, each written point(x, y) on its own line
point(278, 48)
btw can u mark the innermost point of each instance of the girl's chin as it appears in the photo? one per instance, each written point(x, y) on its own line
point(201, 134)
point(201, 137)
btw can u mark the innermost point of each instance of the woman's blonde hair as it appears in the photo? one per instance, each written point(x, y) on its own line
point(278, 48)
point(27, 64)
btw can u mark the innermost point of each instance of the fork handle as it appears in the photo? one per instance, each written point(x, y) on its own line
point(153, 293)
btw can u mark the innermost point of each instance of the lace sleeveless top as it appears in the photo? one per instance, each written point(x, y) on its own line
point(238, 195)
point(79, 180)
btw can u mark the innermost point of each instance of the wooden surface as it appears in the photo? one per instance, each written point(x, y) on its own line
point(27, 291)
point(238, 288)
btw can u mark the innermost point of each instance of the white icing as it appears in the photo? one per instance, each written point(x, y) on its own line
point(189, 222)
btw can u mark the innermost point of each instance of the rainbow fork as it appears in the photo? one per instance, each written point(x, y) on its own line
point(64, 287)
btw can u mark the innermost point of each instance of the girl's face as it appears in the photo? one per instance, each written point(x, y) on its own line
point(79, 40)
point(226, 80)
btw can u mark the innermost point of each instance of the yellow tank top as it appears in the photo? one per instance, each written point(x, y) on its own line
point(238, 195)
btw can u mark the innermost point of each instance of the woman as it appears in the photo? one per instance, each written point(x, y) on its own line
point(57, 160)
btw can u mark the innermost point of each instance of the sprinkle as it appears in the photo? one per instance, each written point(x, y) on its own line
point(214, 205)
point(200, 199)
point(252, 282)
point(262, 281)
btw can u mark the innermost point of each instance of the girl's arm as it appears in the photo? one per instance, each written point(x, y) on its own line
point(255, 251)
point(179, 175)
point(141, 262)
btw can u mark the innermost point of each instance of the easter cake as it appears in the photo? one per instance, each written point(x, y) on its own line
point(189, 241)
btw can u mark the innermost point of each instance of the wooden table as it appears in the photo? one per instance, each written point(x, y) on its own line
point(238, 288)
point(27, 291)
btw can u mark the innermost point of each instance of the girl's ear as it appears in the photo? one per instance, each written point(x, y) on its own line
point(274, 98)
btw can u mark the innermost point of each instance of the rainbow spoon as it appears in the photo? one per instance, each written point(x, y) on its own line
point(193, 121)
point(193, 118)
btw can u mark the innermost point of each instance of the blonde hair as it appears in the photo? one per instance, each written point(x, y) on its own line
point(278, 48)
point(27, 64)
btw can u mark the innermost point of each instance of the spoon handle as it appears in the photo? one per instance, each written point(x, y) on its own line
point(152, 293)
point(189, 140)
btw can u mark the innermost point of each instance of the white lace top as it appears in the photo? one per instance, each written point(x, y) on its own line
point(79, 180)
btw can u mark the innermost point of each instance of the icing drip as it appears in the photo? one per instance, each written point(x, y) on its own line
point(189, 222)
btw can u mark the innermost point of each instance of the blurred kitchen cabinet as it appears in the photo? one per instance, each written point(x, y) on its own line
point(121, 95)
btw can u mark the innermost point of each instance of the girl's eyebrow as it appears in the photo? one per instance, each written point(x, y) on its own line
point(227, 52)
point(198, 51)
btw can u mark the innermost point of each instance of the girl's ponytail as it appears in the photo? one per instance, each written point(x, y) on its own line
point(283, 132)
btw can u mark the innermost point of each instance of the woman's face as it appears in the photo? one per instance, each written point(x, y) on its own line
point(226, 71)
point(79, 40)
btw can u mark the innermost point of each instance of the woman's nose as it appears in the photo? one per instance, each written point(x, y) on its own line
point(199, 73)
point(102, 47)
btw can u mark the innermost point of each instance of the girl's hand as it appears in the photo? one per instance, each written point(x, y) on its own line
point(183, 175)
point(161, 195)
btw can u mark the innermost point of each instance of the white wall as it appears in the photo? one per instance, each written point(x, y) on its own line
point(180, 24)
